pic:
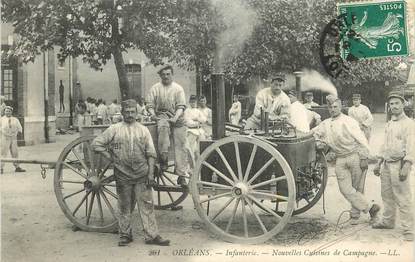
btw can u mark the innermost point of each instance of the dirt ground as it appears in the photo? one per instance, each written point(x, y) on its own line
point(33, 227)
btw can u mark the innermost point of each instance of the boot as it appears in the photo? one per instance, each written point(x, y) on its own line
point(19, 169)
point(158, 240)
point(373, 211)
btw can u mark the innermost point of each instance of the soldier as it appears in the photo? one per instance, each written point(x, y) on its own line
point(343, 135)
point(397, 155)
point(167, 102)
point(298, 113)
point(309, 100)
point(362, 115)
point(235, 111)
point(133, 153)
point(207, 112)
point(272, 100)
point(9, 128)
point(194, 119)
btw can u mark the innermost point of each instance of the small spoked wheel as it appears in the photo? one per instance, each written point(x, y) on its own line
point(168, 193)
point(233, 179)
point(84, 186)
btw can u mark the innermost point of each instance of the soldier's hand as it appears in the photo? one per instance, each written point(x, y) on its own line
point(153, 117)
point(364, 164)
point(405, 170)
point(151, 182)
point(376, 170)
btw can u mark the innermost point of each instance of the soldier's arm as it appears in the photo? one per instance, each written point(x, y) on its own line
point(101, 142)
point(353, 127)
point(259, 103)
point(150, 152)
point(368, 118)
point(150, 101)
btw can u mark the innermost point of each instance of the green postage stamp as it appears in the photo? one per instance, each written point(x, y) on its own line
point(373, 29)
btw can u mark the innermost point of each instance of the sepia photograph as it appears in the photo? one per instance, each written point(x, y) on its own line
point(207, 130)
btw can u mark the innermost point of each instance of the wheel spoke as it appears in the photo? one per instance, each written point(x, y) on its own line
point(90, 208)
point(101, 214)
point(75, 170)
point(233, 215)
point(244, 218)
point(230, 170)
point(80, 204)
point(80, 160)
point(77, 192)
point(269, 181)
point(168, 179)
point(284, 198)
point(158, 192)
point(164, 183)
point(110, 192)
point(258, 203)
point(264, 229)
point(261, 170)
point(223, 208)
point(251, 160)
point(91, 157)
point(109, 179)
point(215, 197)
point(218, 172)
point(107, 202)
point(101, 174)
point(70, 181)
point(214, 184)
point(238, 160)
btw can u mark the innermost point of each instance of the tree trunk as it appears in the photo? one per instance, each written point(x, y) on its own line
point(198, 80)
point(122, 74)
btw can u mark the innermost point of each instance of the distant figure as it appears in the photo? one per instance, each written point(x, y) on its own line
point(114, 109)
point(84, 119)
point(309, 103)
point(102, 114)
point(61, 97)
point(2, 105)
point(298, 113)
point(235, 111)
point(194, 120)
point(207, 112)
point(9, 128)
point(362, 115)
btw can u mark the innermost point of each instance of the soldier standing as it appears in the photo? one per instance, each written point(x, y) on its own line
point(133, 153)
point(362, 115)
point(397, 155)
point(343, 135)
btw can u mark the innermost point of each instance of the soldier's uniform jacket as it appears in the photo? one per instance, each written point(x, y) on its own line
point(10, 126)
point(399, 141)
point(131, 145)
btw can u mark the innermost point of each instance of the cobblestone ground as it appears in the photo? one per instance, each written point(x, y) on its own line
point(35, 229)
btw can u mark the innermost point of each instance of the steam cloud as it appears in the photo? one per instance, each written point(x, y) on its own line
point(240, 21)
point(313, 80)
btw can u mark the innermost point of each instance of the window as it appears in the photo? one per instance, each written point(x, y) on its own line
point(8, 84)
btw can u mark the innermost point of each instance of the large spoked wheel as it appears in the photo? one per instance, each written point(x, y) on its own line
point(168, 193)
point(233, 178)
point(85, 187)
point(318, 178)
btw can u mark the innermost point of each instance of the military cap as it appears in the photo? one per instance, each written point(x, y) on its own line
point(193, 98)
point(278, 76)
point(164, 67)
point(396, 94)
point(8, 107)
point(331, 99)
point(129, 103)
point(309, 93)
point(356, 96)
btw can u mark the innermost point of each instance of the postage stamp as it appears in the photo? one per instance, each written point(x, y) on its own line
point(373, 29)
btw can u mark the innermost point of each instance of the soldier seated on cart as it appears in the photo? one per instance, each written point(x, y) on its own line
point(166, 104)
point(272, 100)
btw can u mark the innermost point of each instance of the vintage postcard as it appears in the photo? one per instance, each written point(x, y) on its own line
point(207, 130)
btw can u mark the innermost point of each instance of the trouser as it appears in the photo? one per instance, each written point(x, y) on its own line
point(127, 195)
point(9, 144)
point(194, 150)
point(253, 123)
point(234, 120)
point(396, 194)
point(179, 142)
point(349, 178)
point(367, 130)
